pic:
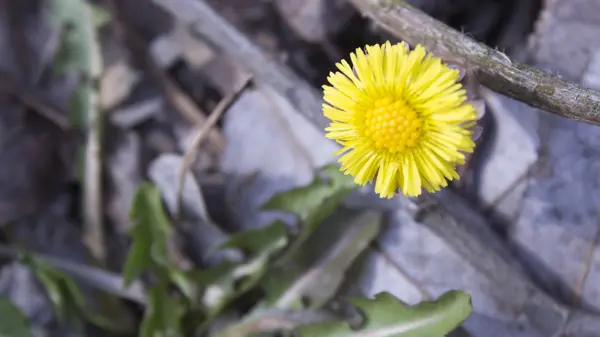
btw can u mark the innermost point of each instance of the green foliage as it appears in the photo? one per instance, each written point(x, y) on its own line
point(227, 281)
point(254, 241)
point(221, 285)
point(78, 52)
point(151, 227)
point(385, 316)
point(149, 253)
point(288, 269)
point(163, 315)
point(150, 231)
point(312, 204)
point(68, 301)
point(318, 268)
point(315, 200)
point(63, 292)
point(13, 322)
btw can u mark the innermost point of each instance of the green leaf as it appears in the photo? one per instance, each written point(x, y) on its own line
point(385, 316)
point(78, 51)
point(227, 281)
point(319, 267)
point(69, 301)
point(163, 315)
point(150, 231)
point(313, 203)
point(13, 323)
point(254, 241)
point(64, 293)
point(204, 278)
point(151, 228)
point(179, 278)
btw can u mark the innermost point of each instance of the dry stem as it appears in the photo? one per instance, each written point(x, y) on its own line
point(201, 134)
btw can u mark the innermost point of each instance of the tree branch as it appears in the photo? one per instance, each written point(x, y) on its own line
point(493, 68)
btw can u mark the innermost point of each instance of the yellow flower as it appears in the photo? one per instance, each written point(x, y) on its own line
point(401, 118)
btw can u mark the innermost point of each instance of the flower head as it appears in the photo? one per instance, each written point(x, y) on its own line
point(401, 118)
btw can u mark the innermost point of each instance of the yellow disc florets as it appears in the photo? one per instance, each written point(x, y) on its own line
point(393, 125)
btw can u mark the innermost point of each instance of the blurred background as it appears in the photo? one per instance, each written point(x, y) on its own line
point(106, 104)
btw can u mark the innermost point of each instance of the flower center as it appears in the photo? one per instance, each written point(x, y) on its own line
point(393, 125)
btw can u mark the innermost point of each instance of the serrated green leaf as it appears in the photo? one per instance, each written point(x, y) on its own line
point(304, 200)
point(163, 315)
point(386, 316)
point(312, 203)
point(149, 233)
point(63, 292)
point(13, 323)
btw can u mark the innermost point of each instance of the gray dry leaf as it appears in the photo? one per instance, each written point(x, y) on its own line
point(136, 113)
point(206, 235)
point(512, 153)
point(315, 20)
point(280, 151)
point(165, 51)
point(124, 169)
point(35, 162)
point(194, 51)
point(119, 77)
point(116, 84)
point(111, 283)
point(26, 39)
point(35, 155)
